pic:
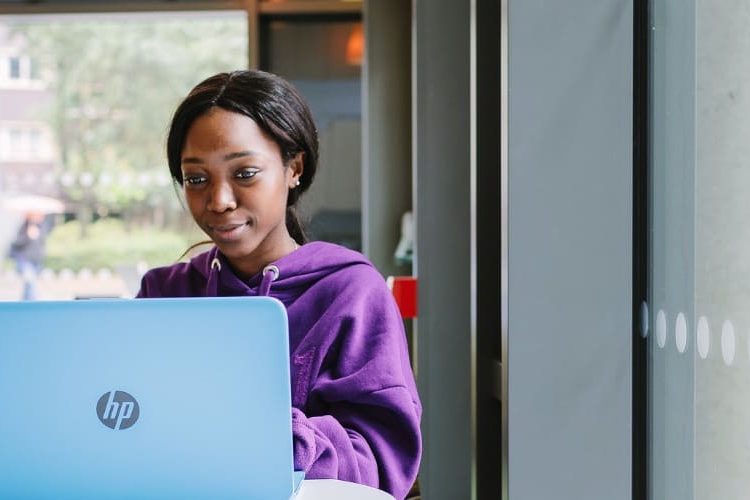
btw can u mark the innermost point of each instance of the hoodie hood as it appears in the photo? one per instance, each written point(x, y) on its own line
point(297, 271)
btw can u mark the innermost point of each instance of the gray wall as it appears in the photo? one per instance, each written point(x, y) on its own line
point(570, 258)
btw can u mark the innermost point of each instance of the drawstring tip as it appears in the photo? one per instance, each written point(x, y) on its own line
point(270, 273)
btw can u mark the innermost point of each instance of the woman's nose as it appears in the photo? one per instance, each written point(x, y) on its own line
point(221, 198)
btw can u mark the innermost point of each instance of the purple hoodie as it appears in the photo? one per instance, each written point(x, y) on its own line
point(355, 409)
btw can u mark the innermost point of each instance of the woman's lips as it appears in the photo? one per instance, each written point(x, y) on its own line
point(228, 232)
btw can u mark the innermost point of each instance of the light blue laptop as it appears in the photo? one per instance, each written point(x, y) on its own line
point(158, 398)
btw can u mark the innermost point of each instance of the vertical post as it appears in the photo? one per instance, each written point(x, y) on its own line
point(487, 202)
point(443, 258)
point(639, 479)
point(253, 33)
point(504, 250)
point(386, 130)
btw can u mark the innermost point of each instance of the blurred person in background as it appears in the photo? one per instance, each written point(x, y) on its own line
point(27, 250)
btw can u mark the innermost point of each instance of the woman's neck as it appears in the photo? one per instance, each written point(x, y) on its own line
point(267, 252)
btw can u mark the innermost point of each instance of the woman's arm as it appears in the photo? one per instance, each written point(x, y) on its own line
point(377, 443)
point(360, 421)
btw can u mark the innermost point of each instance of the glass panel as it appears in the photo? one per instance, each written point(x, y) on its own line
point(322, 57)
point(699, 323)
point(83, 136)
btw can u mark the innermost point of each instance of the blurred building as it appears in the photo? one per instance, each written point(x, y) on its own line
point(28, 154)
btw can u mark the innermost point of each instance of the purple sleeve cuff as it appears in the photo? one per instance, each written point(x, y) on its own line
point(304, 441)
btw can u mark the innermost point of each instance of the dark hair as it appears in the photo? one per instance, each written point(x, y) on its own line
point(271, 102)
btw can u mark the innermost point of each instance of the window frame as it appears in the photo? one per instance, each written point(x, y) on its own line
point(640, 369)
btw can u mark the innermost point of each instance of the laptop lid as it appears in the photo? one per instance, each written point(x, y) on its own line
point(157, 398)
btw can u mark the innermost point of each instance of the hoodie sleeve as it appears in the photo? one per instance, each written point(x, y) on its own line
point(361, 420)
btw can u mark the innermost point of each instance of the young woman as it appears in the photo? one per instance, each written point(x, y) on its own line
point(244, 147)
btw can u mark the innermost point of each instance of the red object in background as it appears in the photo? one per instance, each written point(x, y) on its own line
point(404, 289)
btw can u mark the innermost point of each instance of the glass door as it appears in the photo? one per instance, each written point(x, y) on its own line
point(696, 319)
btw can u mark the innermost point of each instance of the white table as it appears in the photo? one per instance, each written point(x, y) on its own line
point(333, 489)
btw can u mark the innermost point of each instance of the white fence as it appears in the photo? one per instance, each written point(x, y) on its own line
point(68, 285)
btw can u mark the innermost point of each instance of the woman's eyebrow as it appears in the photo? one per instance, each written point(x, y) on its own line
point(240, 154)
point(193, 160)
point(231, 156)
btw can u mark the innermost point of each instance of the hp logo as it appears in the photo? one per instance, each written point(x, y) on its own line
point(117, 410)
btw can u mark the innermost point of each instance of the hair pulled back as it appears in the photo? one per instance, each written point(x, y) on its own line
point(273, 104)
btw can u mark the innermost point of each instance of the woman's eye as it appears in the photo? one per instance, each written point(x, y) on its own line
point(246, 174)
point(194, 180)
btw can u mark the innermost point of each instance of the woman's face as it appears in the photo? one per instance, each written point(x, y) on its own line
point(236, 188)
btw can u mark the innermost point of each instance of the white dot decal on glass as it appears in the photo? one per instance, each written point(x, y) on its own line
point(680, 332)
point(661, 328)
point(727, 342)
point(644, 319)
point(703, 337)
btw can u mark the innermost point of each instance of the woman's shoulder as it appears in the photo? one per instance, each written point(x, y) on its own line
point(173, 270)
point(181, 279)
point(341, 265)
point(344, 276)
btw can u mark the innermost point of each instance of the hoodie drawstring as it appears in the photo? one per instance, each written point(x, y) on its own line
point(212, 287)
point(270, 273)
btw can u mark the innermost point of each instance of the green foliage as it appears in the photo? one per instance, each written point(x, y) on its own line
point(108, 245)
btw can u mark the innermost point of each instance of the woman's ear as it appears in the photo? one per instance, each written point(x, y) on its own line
point(296, 168)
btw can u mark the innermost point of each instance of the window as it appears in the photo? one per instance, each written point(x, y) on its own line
point(33, 70)
point(24, 142)
point(14, 68)
point(110, 85)
point(35, 143)
point(17, 142)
